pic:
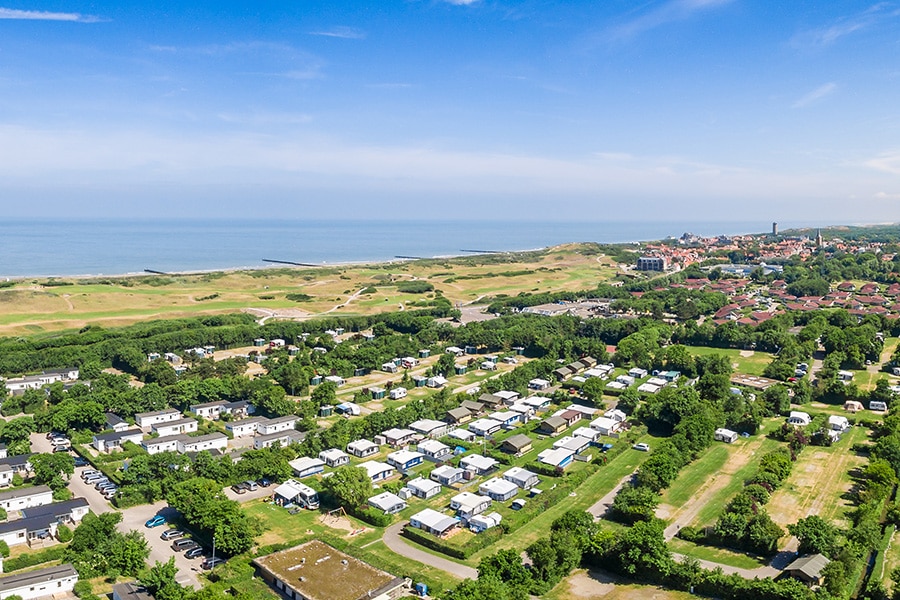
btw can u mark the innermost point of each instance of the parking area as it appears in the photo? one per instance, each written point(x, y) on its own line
point(161, 550)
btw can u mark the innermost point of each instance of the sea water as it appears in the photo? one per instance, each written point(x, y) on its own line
point(112, 247)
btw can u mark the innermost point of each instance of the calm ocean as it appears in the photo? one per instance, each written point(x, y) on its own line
point(97, 247)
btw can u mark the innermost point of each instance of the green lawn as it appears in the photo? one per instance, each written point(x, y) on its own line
point(695, 475)
point(751, 365)
point(717, 555)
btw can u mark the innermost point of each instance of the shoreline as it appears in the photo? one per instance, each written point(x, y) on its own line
point(269, 267)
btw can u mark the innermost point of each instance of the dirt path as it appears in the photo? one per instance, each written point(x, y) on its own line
point(394, 542)
point(686, 514)
point(68, 302)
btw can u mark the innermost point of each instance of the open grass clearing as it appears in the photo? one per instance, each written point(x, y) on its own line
point(749, 362)
point(819, 480)
point(695, 475)
point(716, 555)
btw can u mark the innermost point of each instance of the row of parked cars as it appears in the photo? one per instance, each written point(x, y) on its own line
point(100, 482)
point(250, 486)
point(181, 543)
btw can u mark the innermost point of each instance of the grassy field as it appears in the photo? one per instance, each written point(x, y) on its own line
point(819, 480)
point(37, 305)
point(716, 555)
point(749, 362)
point(584, 585)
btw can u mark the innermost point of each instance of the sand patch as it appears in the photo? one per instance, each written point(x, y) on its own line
point(747, 353)
point(342, 524)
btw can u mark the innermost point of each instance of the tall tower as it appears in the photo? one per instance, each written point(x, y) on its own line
point(775, 229)
point(819, 241)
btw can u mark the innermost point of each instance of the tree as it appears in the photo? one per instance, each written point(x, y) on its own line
point(816, 536)
point(50, 469)
point(507, 566)
point(324, 394)
point(350, 486)
point(642, 548)
point(204, 507)
point(634, 504)
point(160, 581)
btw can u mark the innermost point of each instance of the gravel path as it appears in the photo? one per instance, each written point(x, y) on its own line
point(394, 542)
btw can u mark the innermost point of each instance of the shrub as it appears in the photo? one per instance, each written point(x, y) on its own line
point(4, 549)
point(414, 287)
point(298, 297)
point(64, 534)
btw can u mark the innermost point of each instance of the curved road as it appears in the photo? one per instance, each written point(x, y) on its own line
point(394, 542)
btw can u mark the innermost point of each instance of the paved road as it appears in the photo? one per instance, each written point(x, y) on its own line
point(160, 550)
point(396, 544)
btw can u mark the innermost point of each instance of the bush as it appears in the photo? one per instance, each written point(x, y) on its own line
point(84, 590)
point(31, 559)
point(297, 297)
point(691, 534)
point(4, 549)
point(64, 534)
point(414, 287)
point(372, 516)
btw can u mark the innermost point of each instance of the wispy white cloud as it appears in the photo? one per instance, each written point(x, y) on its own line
point(831, 33)
point(462, 2)
point(888, 162)
point(668, 12)
point(815, 95)
point(886, 196)
point(347, 33)
point(390, 86)
point(40, 15)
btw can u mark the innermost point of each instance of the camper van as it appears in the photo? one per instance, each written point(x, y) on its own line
point(876, 405)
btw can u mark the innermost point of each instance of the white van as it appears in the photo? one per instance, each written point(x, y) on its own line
point(876, 405)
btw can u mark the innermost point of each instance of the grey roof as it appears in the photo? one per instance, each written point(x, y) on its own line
point(518, 441)
point(56, 509)
point(113, 419)
point(39, 576)
point(459, 413)
point(554, 422)
point(115, 436)
point(131, 590)
point(24, 492)
point(296, 436)
point(157, 413)
point(810, 565)
point(16, 461)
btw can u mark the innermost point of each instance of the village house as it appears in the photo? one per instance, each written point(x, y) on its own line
point(523, 478)
point(175, 427)
point(334, 457)
point(306, 466)
point(27, 497)
point(559, 458)
point(243, 427)
point(208, 410)
point(433, 522)
point(211, 441)
point(362, 448)
point(158, 445)
point(53, 581)
point(499, 490)
point(447, 475)
point(430, 427)
point(115, 422)
point(147, 420)
point(387, 503)
point(277, 425)
point(377, 471)
point(480, 465)
point(424, 488)
point(467, 505)
point(459, 416)
point(552, 426)
point(398, 438)
point(110, 442)
point(404, 460)
point(435, 451)
point(282, 438)
point(485, 427)
point(517, 444)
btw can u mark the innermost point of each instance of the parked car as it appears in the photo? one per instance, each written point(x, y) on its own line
point(265, 482)
point(642, 447)
point(194, 553)
point(61, 448)
point(239, 488)
point(212, 563)
point(155, 521)
point(171, 534)
point(80, 461)
point(60, 441)
point(184, 544)
point(250, 485)
point(88, 473)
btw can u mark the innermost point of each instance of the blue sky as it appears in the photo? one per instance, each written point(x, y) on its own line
point(688, 110)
